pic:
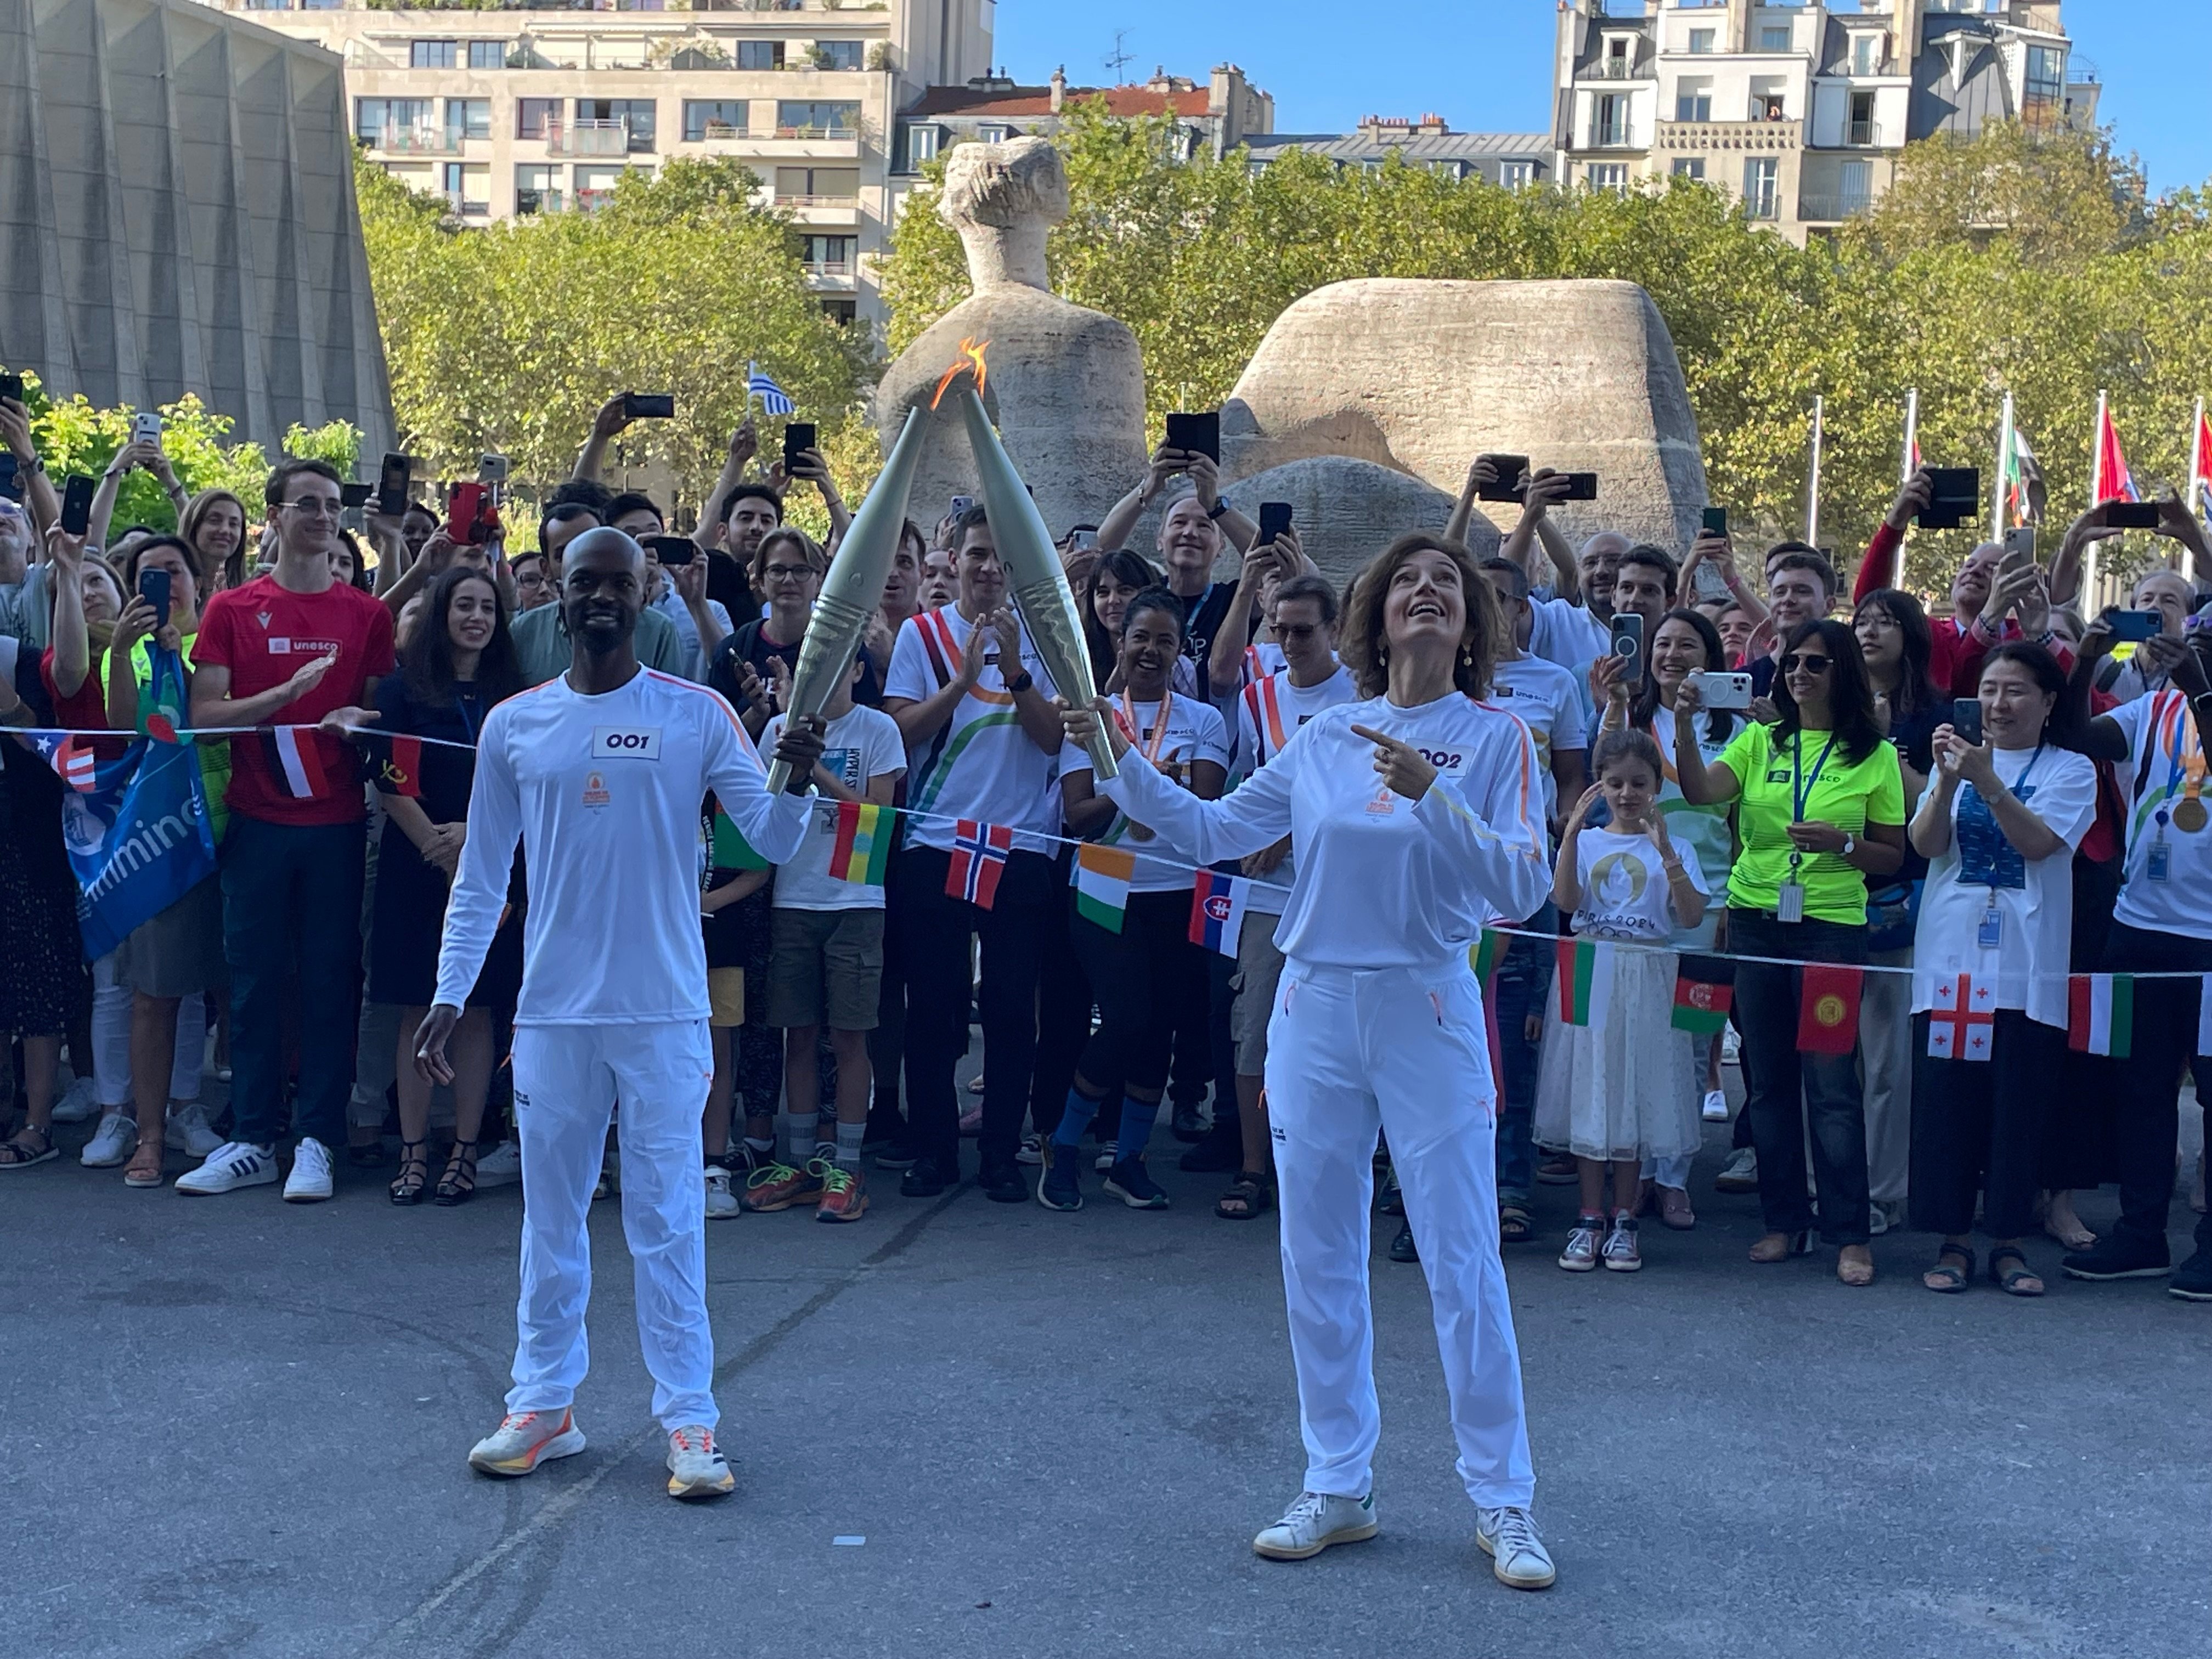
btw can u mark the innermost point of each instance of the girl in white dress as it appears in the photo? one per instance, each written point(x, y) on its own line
point(1614, 1090)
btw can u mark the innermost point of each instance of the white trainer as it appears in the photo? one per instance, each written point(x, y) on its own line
point(523, 1440)
point(233, 1164)
point(1108, 1154)
point(79, 1105)
point(1517, 1556)
point(115, 1140)
point(1031, 1150)
point(696, 1467)
point(1715, 1110)
point(500, 1167)
point(1317, 1520)
point(188, 1131)
point(310, 1180)
point(722, 1202)
point(1740, 1174)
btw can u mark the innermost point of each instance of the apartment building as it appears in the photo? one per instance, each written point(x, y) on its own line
point(1515, 161)
point(1799, 110)
point(540, 108)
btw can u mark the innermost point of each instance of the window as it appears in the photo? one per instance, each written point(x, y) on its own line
point(1690, 167)
point(2045, 89)
point(839, 54)
point(393, 123)
point(1701, 41)
point(533, 115)
point(1866, 54)
point(1693, 99)
point(1761, 174)
point(1607, 175)
point(1767, 106)
point(841, 311)
point(537, 189)
point(487, 54)
point(467, 118)
point(760, 54)
point(922, 144)
point(829, 256)
point(713, 118)
point(1608, 119)
point(992, 132)
point(1774, 37)
point(818, 186)
point(1860, 128)
point(467, 188)
point(635, 114)
point(1617, 58)
point(799, 118)
point(431, 54)
point(1857, 193)
point(1516, 175)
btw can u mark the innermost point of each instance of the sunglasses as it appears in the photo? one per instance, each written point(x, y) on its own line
point(1806, 662)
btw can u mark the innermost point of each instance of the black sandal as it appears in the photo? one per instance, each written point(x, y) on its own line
point(15, 1153)
point(1251, 1196)
point(458, 1184)
point(1515, 1224)
point(414, 1175)
point(1946, 1279)
point(2008, 1279)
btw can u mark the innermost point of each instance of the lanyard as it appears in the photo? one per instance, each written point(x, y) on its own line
point(2020, 793)
point(1801, 787)
point(471, 723)
point(1128, 717)
point(2184, 727)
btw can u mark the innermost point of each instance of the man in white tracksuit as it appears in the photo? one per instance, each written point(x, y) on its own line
point(1378, 1020)
point(600, 773)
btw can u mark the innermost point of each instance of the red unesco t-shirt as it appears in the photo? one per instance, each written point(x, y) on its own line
point(264, 634)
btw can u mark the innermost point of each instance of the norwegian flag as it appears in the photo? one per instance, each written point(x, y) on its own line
point(1962, 1023)
point(69, 755)
point(979, 858)
point(294, 764)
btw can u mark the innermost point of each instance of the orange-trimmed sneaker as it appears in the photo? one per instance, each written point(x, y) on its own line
point(844, 1195)
point(778, 1187)
point(523, 1440)
point(695, 1468)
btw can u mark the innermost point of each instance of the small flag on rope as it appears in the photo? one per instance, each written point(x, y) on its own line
point(1962, 1023)
point(1828, 1008)
point(774, 400)
point(1700, 1006)
point(1584, 991)
point(1101, 884)
point(863, 850)
point(69, 754)
point(2100, 1013)
point(1217, 910)
point(1487, 953)
point(730, 849)
point(295, 765)
point(393, 762)
point(979, 859)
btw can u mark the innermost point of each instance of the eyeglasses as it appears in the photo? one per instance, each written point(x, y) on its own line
point(1807, 662)
point(312, 508)
point(1296, 630)
point(787, 573)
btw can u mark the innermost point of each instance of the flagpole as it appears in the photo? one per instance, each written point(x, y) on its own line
point(2004, 463)
point(1812, 492)
point(1911, 433)
point(2096, 496)
point(2196, 484)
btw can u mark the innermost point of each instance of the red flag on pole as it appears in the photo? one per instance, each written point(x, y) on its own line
point(1828, 1008)
point(2114, 482)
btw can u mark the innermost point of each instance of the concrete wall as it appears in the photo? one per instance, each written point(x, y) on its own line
point(176, 199)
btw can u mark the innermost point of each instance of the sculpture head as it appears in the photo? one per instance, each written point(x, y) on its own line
point(1002, 199)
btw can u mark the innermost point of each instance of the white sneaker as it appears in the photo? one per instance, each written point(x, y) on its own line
point(1884, 1215)
point(696, 1467)
point(1517, 1555)
point(1580, 1253)
point(1740, 1174)
point(117, 1139)
point(1032, 1150)
point(310, 1180)
point(1715, 1106)
point(1621, 1252)
point(233, 1164)
point(1314, 1522)
point(523, 1440)
point(1731, 1046)
point(722, 1202)
point(187, 1130)
point(500, 1167)
point(79, 1105)
point(1109, 1153)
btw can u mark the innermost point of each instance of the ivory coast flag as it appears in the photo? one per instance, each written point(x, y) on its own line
point(862, 852)
point(1585, 986)
point(1101, 884)
point(2100, 1013)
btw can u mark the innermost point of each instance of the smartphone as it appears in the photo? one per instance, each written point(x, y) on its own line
point(11, 386)
point(464, 505)
point(672, 550)
point(1581, 487)
point(2131, 515)
point(354, 495)
point(1722, 690)
point(1967, 719)
point(1196, 435)
point(2020, 548)
point(1507, 487)
point(2137, 626)
point(1628, 646)
point(797, 439)
point(154, 588)
point(649, 406)
point(1714, 521)
point(11, 485)
point(77, 505)
point(491, 469)
point(961, 504)
point(146, 427)
point(1274, 519)
point(392, 482)
point(1955, 496)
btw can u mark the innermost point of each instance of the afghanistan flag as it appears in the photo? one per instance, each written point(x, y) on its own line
point(2100, 1013)
point(1699, 1006)
point(1828, 1008)
point(1585, 990)
point(863, 849)
point(1101, 884)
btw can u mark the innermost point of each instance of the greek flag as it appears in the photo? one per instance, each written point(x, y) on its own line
point(774, 400)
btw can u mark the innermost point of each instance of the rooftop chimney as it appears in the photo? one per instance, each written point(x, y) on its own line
point(1059, 88)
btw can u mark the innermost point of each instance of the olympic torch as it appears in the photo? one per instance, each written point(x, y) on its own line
point(1033, 571)
point(853, 586)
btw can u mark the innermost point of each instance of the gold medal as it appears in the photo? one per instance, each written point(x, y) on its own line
point(2190, 816)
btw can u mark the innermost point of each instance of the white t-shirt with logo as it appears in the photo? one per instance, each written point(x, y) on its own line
point(980, 764)
point(1269, 714)
point(1565, 633)
point(861, 746)
point(1175, 732)
point(1626, 894)
point(2166, 747)
point(2025, 959)
point(1543, 694)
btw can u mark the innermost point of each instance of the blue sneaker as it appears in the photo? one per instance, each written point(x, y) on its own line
point(1060, 1187)
point(1133, 1185)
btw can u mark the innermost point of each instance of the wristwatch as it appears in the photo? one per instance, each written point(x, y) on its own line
point(1021, 683)
point(1220, 506)
point(1850, 845)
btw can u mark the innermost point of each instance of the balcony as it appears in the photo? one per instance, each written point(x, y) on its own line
point(416, 141)
point(529, 202)
point(1862, 134)
point(1829, 207)
point(714, 131)
point(829, 271)
point(591, 201)
point(1707, 137)
point(1614, 69)
point(847, 203)
point(588, 138)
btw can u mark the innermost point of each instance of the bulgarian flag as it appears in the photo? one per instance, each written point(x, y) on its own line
point(1584, 993)
point(731, 850)
point(2100, 1013)
point(1700, 1006)
point(1486, 953)
point(1101, 884)
point(863, 849)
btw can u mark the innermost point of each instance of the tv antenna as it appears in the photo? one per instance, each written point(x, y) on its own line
point(1118, 60)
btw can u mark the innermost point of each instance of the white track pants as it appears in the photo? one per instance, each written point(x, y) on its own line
point(566, 1081)
point(1348, 1049)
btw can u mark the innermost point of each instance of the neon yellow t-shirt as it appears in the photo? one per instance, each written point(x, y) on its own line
point(1848, 796)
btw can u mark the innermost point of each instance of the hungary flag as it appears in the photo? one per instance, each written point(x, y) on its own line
point(1101, 884)
point(2100, 1013)
point(862, 852)
point(1584, 987)
point(1699, 1006)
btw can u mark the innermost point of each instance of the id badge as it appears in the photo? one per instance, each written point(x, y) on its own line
point(1990, 934)
point(2160, 865)
point(1789, 902)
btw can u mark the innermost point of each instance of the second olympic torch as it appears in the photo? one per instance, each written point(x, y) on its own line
point(853, 586)
point(1040, 586)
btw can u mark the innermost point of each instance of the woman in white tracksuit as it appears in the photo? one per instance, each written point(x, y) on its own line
point(1378, 1022)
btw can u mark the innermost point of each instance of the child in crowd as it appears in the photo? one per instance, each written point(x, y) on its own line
point(1612, 1088)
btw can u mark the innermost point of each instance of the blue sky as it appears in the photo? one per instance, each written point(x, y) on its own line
point(1485, 65)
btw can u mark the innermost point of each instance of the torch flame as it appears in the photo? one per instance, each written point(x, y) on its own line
point(971, 356)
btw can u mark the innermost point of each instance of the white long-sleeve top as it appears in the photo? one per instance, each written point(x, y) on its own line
point(1382, 882)
point(603, 792)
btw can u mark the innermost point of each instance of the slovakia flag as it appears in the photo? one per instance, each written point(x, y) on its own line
point(1216, 911)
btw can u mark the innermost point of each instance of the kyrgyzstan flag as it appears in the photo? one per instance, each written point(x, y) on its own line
point(1828, 1008)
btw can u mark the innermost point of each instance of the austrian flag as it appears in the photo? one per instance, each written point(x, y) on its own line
point(295, 765)
point(1963, 1020)
point(979, 859)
